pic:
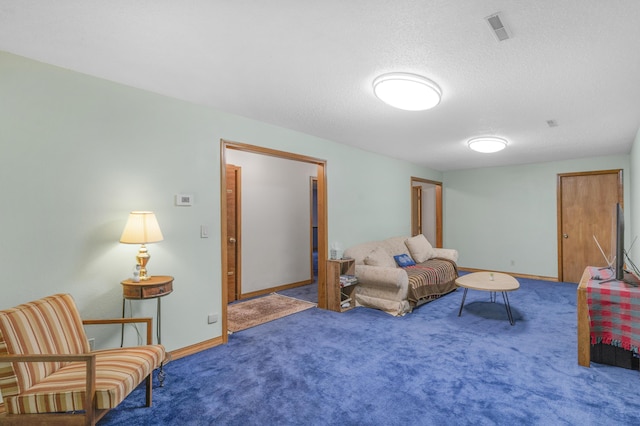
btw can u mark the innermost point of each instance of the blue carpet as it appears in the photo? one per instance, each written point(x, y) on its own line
point(431, 367)
point(306, 292)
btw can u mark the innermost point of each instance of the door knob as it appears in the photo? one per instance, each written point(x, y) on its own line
point(565, 236)
point(232, 240)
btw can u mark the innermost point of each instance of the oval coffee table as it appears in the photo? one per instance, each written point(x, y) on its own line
point(492, 282)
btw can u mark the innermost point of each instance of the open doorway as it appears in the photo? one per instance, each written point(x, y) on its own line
point(426, 209)
point(319, 166)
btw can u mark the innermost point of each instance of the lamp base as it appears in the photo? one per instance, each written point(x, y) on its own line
point(143, 258)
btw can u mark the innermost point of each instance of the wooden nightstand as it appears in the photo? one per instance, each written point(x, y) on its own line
point(155, 287)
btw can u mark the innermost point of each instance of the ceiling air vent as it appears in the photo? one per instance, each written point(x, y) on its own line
point(499, 29)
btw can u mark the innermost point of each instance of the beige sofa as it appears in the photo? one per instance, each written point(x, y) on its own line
point(383, 285)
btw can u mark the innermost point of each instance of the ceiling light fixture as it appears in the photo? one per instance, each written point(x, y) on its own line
point(406, 91)
point(487, 144)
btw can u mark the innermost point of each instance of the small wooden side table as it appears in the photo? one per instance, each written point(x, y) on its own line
point(155, 287)
point(340, 298)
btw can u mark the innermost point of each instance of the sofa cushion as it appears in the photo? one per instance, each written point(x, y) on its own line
point(360, 251)
point(396, 245)
point(379, 257)
point(404, 260)
point(118, 372)
point(420, 248)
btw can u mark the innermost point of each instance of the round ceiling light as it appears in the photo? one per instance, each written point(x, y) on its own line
point(410, 92)
point(487, 144)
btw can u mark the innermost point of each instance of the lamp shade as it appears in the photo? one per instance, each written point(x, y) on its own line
point(406, 91)
point(141, 228)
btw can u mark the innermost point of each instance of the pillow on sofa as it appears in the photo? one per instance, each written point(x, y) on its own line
point(379, 257)
point(404, 260)
point(420, 248)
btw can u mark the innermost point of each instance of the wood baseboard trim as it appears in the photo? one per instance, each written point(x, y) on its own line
point(194, 349)
point(274, 289)
point(514, 274)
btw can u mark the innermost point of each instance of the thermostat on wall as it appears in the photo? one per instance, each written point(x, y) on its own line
point(184, 199)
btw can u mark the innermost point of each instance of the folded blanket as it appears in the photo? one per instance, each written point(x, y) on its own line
point(431, 279)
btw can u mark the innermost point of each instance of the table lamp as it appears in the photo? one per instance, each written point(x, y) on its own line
point(141, 228)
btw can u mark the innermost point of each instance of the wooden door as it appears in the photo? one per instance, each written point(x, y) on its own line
point(586, 207)
point(233, 233)
point(416, 210)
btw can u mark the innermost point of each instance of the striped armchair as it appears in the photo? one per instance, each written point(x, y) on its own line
point(49, 375)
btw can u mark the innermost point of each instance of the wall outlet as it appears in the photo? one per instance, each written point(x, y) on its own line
point(212, 318)
point(92, 343)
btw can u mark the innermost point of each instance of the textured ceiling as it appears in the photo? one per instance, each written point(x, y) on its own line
point(309, 66)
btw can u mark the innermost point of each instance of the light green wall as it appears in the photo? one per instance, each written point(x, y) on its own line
point(78, 153)
point(505, 218)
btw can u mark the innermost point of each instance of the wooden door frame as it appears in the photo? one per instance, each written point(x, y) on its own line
point(322, 216)
point(559, 206)
point(312, 180)
point(416, 210)
point(438, 185)
point(238, 244)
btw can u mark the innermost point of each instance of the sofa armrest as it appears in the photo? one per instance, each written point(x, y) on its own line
point(122, 321)
point(47, 358)
point(450, 254)
point(393, 279)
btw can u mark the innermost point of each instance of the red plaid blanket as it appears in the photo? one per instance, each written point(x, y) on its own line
point(614, 311)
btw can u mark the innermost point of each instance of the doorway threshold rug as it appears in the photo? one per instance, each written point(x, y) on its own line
point(258, 311)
